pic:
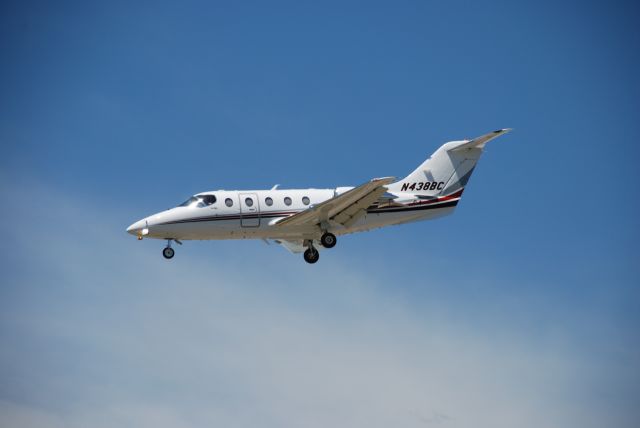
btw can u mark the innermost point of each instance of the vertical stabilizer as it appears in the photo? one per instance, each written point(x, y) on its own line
point(448, 169)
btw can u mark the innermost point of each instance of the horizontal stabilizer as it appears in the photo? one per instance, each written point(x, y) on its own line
point(479, 142)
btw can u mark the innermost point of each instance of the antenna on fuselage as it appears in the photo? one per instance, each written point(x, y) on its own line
point(275, 187)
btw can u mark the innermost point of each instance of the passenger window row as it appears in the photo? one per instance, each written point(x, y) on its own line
point(268, 201)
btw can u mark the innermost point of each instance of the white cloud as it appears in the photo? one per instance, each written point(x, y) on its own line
point(99, 330)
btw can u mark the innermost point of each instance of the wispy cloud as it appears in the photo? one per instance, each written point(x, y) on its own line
point(98, 330)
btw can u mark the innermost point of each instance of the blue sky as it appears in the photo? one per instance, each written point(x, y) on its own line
point(521, 309)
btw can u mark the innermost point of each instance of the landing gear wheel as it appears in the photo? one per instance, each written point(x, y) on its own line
point(168, 253)
point(328, 240)
point(311, 255)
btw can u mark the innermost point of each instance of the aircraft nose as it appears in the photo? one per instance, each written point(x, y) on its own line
point(136, 228)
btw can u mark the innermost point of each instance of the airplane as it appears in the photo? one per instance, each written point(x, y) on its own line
point(306, 220)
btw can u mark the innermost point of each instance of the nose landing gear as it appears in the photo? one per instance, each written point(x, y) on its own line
point(168, 252)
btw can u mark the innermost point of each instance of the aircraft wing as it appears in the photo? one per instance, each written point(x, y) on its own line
point(479, 142)
point(344, 209)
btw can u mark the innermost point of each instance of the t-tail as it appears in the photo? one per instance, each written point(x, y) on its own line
point(444, 175)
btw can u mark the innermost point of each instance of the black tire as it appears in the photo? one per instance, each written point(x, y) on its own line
point(311, 255)
point(168, 253)
point(328, 240)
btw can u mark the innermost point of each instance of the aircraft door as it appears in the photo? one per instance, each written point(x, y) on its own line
point(249, 210)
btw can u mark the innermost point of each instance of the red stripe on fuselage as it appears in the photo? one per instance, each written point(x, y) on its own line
point(454, 195)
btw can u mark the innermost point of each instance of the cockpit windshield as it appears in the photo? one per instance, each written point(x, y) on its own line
point(191, 201)
point(199, 201)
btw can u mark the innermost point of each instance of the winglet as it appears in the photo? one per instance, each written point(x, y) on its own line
point(479, 142)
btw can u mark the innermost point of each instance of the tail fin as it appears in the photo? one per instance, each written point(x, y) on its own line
point(447, 170)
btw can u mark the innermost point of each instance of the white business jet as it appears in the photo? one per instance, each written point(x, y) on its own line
point(304, 220)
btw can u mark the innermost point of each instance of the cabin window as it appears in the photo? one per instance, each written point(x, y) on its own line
point(228, 202)
point(268, 201)
point(249, 202)
point(208, 199)
point(287, 201)
point(305, 200)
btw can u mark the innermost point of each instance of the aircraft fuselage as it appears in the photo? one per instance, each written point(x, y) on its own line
point(253, 214)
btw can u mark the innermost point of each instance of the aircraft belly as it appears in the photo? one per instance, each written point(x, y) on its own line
point(224, 229)
point(196, 230)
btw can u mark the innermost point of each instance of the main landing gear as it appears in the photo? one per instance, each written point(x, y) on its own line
point(312, 255)
point(168, 252)
point(328, 240)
